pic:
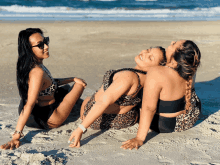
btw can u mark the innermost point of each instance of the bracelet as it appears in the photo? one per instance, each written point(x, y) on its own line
point(82, 128)
point(18, 132)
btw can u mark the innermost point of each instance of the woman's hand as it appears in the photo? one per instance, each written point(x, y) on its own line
point(77, 134)
point(132, 143)
point(14, 143)
point(80, 81)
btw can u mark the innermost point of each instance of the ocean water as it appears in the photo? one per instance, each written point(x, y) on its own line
point(110, 10)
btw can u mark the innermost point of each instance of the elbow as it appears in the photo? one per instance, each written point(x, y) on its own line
point(104, 101)
point(28, 107)
point(80, 87)
point(152, 110)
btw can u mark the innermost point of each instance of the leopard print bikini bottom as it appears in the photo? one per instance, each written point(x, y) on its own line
point(115, 121)
point(186, 121)
point(159, 124)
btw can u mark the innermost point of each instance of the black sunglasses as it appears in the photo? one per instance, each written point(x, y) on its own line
point(41, 44)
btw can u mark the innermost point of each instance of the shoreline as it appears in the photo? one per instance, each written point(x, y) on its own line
point(120, 21)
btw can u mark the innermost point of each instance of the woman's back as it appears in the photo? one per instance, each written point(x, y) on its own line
point(171, 91)
point(173, 86)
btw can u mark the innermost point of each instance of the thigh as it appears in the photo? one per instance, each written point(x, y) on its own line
point(66, 105)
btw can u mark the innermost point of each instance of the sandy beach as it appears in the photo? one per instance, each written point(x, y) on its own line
point(87, 50)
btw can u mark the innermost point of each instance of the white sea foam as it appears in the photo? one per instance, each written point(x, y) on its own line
point(107, 0)
point(67, 12)
point(147, 0)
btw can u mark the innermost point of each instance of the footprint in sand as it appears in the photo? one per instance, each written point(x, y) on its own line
point(163, 159)
point(9, 105)
point(36, 158)
point(5, 126)
point(42, 140)
point(211, 126)
point(72, 153)
point(203, 163)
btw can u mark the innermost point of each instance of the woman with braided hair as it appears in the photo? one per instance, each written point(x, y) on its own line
point(169, 102)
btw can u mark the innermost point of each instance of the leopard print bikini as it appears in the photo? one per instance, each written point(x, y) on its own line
point(117, 121)
point(52, 88)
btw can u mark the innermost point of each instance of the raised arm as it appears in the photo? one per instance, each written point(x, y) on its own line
point(62, 81)
point(152, 89)
point(35, 84)
point(119, 86)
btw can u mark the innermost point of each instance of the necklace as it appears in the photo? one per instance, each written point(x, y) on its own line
point(170, 67)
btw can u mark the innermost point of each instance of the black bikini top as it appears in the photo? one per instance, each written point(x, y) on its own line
point(124, 100)
point(171, 106)
point(52, 88)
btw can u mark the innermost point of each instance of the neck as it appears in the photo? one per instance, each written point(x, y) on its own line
point(40, 62)
point(143, 69)
point(170, 65)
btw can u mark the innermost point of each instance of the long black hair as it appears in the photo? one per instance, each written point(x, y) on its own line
point(26, 60)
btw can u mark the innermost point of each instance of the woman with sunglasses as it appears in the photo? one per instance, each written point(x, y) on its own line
point(38, 89)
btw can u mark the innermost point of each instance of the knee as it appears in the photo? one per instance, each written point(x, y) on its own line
point(54, 124)
point(86, 100)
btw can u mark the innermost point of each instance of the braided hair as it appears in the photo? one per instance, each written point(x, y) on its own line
point(188, 59)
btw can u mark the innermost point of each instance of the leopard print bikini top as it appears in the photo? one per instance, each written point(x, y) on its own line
point(51, 89)
point(124, 100)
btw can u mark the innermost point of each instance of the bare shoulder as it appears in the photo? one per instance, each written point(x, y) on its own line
point(157, 73)
point(125, 76)
point(36, 72)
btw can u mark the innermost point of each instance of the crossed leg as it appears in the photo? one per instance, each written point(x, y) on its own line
point(63, 110)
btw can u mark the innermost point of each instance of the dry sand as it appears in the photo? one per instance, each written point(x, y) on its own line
point(87, 50)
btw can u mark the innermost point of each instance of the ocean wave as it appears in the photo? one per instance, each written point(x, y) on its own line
point(67, 12)
point(147, 0)
point(63, 9)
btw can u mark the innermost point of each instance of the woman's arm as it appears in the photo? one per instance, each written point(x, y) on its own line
point(35, 84)
point(152, 89)
point(62, 81)
point(118, 87)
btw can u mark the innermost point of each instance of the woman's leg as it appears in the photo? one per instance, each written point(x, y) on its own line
point(61, 113)
point(83, 107)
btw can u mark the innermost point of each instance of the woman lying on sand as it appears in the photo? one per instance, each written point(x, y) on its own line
point(114, 105)
point(38, 88)
point(169, 100)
